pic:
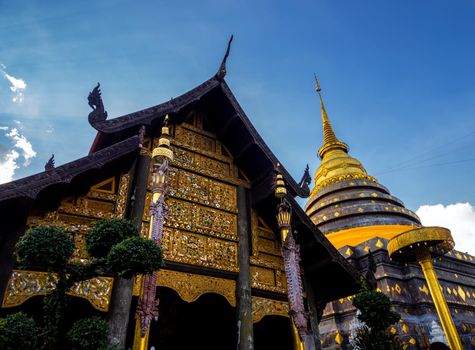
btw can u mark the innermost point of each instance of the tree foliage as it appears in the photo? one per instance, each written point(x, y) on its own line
point(135, 255)
point(377, 315)
point(45, 247)
point(18, 331)
point(375, 308)
point(107, 233)
point(88, 334)
point(115, 247)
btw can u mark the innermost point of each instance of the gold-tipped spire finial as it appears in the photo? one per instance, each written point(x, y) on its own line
point(330, 140)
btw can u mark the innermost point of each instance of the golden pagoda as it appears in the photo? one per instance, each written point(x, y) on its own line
point(348, 205)
point(371, 228)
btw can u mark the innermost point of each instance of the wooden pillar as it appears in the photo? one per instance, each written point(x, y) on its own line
point(312, 312)
point(245, 335)
point(121, 300)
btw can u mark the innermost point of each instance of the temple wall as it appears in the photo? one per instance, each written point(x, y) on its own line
point(201, 229)
point(75, 214)
point(407, 288)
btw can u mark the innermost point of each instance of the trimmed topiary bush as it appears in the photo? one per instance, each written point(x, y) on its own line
point(135, 255)
point(46, 247)
point(107, 233)
point(18, 331)
point(88, 334)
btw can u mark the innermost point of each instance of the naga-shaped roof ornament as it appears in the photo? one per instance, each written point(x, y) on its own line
point(306, 180)
point(50, 163)
point(222, 68)
point(95, 102)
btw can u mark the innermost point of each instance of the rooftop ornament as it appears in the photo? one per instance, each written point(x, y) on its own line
point(222, 68)
point(420, 245)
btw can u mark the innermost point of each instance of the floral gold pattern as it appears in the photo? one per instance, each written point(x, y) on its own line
point(191, 286)
point(262, 307)
point(26, 284)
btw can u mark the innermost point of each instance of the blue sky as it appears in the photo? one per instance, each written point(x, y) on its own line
point(397, 78)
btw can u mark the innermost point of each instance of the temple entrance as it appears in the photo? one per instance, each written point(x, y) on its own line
point(273, 332)
point(207, 323)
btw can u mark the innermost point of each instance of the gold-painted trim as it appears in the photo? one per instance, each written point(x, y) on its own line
point(339, 178)
point(263, 307)
point(102, 183)
point(419, 236)
point(24, 285)
point(191, 286)
point(357, 235)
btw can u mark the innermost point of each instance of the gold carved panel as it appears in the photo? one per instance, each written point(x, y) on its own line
point(203, 164)
point(191, 286)
point(197, 249)
point(193, 187)
point(76, 214)
point(26, 284)
point(201, 219)
point(262, 307)
point(194, 140)
point(263, 275)
point(267, 264)
point(197, 218)
point(98, 203)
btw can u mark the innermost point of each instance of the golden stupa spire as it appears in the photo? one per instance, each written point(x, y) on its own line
point(330, 141)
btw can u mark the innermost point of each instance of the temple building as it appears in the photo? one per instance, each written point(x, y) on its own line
point(359, 216)
point(245, 266)
point(232, 274)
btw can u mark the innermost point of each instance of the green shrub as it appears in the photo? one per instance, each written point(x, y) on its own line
point(47, 247)
point(18, 331)
point(135, 255)
point(88, 334)
point(107, 233)
point(375, 310)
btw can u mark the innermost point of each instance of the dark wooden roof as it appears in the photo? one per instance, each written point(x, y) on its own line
point(31, 186)
point(229, 117)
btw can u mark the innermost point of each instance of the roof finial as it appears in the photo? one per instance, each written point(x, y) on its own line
point(222, 68)
point(329, 137)
point(50, 163)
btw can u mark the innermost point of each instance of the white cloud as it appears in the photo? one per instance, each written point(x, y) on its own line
point(458, 217)
point(17, 85)
point(23, 144)
point(8, 166)
point(9, 159)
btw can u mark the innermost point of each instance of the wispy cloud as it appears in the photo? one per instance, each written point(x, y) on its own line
point(17, 85)
point(458, 217)
point(23, 144)
point(20, 146)
point(8, 165)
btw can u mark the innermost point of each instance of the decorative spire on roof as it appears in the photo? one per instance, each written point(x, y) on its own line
point(222, 68)
point(94, 99)
point(330, 141)
point(50, 163)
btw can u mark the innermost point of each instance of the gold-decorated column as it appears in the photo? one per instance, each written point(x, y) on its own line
point(419, 244)
point(147, 308)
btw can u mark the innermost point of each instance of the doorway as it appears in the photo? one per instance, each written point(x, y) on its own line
point(273, 332)
point(207, 323)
